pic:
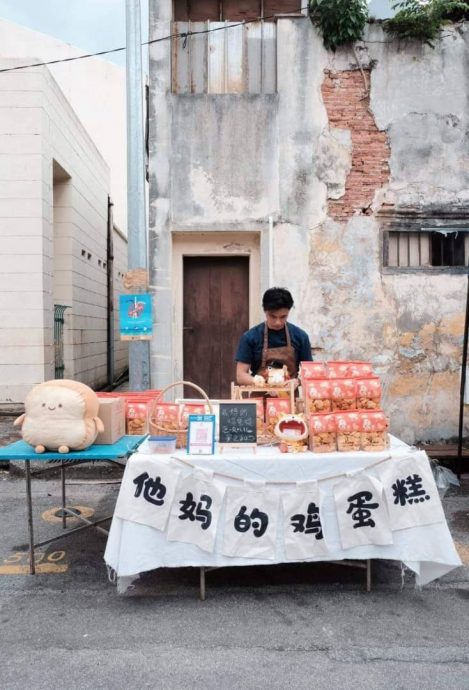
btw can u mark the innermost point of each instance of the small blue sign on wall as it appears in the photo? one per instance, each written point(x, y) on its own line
point(135, 317)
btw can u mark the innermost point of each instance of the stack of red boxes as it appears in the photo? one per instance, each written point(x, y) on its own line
point(343, 405)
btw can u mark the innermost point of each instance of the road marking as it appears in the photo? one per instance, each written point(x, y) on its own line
point(42, 568)
point(50, 515)
point(18, 563)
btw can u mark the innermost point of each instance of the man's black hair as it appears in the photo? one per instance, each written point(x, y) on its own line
point(277, 298)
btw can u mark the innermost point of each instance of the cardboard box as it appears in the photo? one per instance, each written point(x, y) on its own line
point(112, 414)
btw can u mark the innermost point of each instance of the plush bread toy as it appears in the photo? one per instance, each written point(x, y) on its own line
point(60, 415)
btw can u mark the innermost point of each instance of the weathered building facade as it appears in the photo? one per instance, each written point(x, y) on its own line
point(349, 186)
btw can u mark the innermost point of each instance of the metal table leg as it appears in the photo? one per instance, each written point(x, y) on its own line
point(76, 529)
point(202, 584)
point(368, 575)
point(32, 564)
point(62, 477)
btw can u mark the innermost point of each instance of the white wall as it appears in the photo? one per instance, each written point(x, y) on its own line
point(121, 348)
point(53, 245)
point(94, 87)
point(25, 343)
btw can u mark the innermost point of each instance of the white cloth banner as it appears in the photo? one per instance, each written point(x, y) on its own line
point(303, 528)
point(196, 510)
point(133, 548)
point(147, 492)
point(250, 529)
point(411, 493)
point(361, 511)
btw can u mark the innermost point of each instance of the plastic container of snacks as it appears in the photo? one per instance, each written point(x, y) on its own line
point(161, 444)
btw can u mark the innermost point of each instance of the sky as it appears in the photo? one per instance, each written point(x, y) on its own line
point(95, 25)
point(91, 25)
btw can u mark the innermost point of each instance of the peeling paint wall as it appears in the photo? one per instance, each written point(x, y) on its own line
point(351, 121)
point(331, 165)
point(229, 171)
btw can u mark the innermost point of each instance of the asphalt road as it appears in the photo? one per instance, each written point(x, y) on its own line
point(297, 626)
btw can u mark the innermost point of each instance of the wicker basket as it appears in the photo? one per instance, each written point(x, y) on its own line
point(157, 429)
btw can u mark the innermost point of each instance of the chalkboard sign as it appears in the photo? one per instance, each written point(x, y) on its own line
point(238, 423)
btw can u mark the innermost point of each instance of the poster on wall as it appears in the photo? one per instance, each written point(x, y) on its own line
point(135, 317)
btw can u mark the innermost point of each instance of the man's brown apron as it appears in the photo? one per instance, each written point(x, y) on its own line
point(285, 354)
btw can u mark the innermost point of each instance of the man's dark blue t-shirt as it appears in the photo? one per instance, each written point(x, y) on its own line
point(252, 342)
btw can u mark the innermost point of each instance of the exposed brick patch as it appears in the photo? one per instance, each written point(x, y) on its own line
point(343, 93)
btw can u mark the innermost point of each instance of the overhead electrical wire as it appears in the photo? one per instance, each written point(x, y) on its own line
point(184, 35)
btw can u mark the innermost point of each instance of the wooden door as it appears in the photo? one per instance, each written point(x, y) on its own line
point(216, 313)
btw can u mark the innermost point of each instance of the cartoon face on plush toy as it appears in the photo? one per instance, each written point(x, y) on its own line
point(53, 403)
point(292, 430)
point(60, 415)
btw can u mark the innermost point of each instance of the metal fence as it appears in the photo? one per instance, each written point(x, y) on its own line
point(242, 59)
point(59, 320)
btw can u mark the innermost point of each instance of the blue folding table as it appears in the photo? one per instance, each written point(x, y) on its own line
point(108, 453)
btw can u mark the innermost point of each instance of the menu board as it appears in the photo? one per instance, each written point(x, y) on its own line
point(238, 423)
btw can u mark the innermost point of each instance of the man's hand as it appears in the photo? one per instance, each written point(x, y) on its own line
point(295, 381)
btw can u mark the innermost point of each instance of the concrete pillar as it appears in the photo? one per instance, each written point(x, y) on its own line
point(160, 118)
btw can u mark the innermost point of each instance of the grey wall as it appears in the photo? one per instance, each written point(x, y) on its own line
point(229, 171)
point(224, 162)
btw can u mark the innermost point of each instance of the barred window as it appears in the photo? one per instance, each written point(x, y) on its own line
point(441, 247)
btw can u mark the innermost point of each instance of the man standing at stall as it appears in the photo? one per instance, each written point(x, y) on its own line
point(273, 341)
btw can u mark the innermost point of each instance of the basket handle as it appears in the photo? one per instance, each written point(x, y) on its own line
point(183, 383)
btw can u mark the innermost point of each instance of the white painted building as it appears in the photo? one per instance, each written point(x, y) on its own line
point(94, 87)
point(54, 191)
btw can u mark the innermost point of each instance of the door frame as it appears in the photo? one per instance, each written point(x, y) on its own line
point(205, 244)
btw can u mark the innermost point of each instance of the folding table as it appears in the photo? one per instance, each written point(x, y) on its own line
point(109, 453)
point(134, 547)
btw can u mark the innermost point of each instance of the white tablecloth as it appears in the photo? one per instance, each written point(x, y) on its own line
point(133, 548)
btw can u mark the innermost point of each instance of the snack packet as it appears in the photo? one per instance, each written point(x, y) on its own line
point(166, 417)
point(322, 433)
point(260, 424)
point(349, 425)
point(312, 370)
point(185, 409)
point(318, 394)
point(360, 369)
point(368, 393)
point(136, 417)
point(344, 394)
point(274, 407)
point(338, 370)
point(374, 435)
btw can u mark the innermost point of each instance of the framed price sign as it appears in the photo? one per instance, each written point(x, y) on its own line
point(201, 434)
